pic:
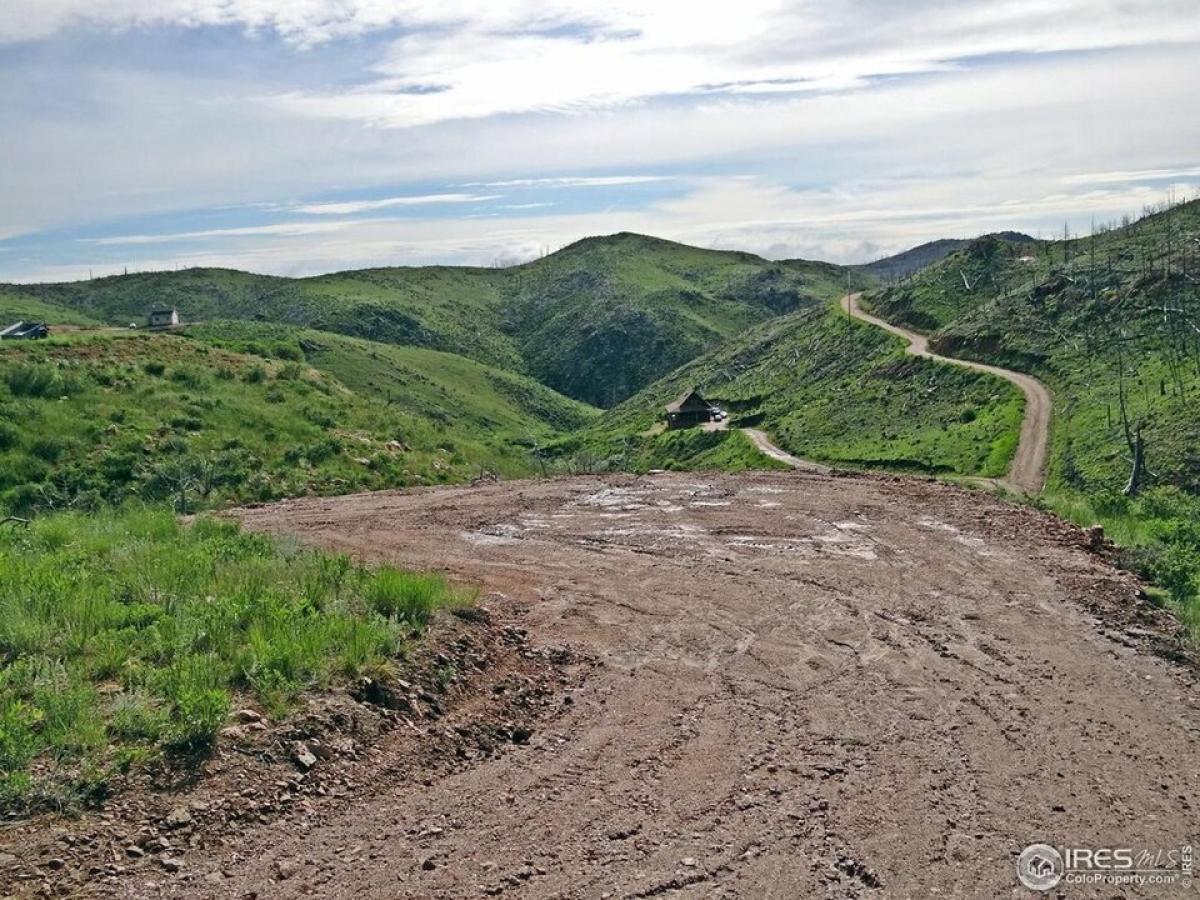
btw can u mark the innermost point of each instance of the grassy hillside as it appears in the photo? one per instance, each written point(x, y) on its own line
point(19, 307)
point(97, 418)
point(597, 321)
point(606, 316)
point(831, 389)
point(902, 265)
point(1112, 324)
point(458, 396)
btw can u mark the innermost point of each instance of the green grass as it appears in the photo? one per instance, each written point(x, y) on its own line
point(96, 419)
point(1092, 318)
point(831, 389)
point(596, 321)
point(129, 635)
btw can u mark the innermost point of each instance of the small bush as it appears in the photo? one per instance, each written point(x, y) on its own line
point(189, 377)
point(255, 375)
point(38, 380)
point(9, 436)
point(287, 351)
point(48, 449)
point(154, 367)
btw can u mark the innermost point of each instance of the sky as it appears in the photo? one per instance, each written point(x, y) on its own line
point(304, 136)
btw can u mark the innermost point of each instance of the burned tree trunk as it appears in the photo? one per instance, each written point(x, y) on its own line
point(1137, 472)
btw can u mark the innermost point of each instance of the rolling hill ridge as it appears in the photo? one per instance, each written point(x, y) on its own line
point(597, 321)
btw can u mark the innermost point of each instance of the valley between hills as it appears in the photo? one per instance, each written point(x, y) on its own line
point(332, 587)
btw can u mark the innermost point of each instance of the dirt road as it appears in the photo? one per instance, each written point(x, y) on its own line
point(805, 686)
point(764, 445)
point(1027, 474)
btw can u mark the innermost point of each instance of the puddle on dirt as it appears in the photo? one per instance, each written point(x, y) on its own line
point(979, 545)
point(494, 534)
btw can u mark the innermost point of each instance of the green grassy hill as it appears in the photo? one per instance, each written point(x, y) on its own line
point(1112, 324)
point(826, 388)
point(238, 412)
point(597, 321)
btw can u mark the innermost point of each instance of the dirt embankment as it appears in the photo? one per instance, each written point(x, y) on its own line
point(797, 686)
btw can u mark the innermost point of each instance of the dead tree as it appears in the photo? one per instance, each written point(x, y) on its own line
point(1137, 470)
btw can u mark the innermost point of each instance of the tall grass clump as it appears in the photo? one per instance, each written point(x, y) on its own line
point(38, 380)
point(408, 597)
point(130, 635)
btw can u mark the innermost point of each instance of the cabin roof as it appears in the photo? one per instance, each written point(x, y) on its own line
point(688, 399)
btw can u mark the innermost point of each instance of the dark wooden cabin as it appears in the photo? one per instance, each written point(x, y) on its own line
point(25, 331)
point(690, 409)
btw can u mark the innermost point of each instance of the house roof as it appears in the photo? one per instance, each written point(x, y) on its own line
point(682, 401)
point(22, 329)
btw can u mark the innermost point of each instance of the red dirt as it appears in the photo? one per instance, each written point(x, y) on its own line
point(800, 686)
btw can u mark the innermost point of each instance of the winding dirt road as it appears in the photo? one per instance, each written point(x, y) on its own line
point(803, 686)
point(1027, 473)
point(767, 448)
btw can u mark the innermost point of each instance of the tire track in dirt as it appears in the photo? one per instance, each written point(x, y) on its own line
point(804, 686)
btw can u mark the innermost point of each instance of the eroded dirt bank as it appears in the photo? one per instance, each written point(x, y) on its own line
point(797, 686)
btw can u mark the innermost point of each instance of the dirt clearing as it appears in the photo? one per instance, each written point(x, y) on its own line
point(798, 686)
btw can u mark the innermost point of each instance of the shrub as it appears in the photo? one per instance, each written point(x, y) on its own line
point(48, 449)
point(1177, 569)
point(194, 684)
point(189, 377)
point(154, 367)
point(9, 436)
point(38, 380)
point(287, 351)
point(255, 375)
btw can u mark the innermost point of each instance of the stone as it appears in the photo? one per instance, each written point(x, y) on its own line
point(171, 863)
point(179, 817)
point(302, 756)
point(286, 868)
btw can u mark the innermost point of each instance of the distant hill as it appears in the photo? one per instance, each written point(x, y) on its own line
point(597, 320)
point(901, 265)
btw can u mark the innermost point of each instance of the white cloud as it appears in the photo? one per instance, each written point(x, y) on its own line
point(1121, 176)
point(574, 181)
point(279, 229)
point(357, 206)
point(495, 65)
point(523, 95)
